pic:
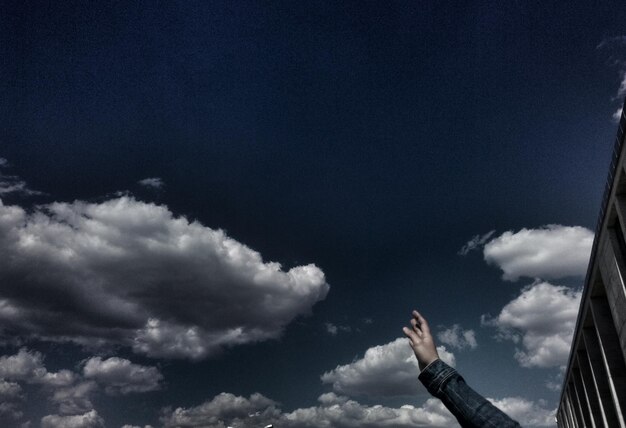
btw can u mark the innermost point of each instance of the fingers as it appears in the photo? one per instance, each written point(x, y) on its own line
point(416, 326)
point(421, 321)
point(410, 334)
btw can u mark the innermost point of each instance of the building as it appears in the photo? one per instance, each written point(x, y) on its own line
point(594, 385)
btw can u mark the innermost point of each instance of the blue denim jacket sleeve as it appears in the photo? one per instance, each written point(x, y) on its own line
point(469, 407)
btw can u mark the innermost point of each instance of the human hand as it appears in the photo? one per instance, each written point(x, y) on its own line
point(421, 340)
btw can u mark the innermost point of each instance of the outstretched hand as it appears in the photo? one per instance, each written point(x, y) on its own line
point(421, 340)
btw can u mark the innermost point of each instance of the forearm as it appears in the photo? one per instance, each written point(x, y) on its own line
point(469, 407)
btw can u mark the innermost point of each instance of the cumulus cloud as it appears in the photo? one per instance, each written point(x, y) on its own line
point(89, 419)
point(548, 252)
point(457, 338)
point(336, 411)
point(153, 182)
point(128, 272)
point(333, 412)
point(541, 322)
point(476, 242)
point(75, 398)
point(527, 413)
point(120, 376)
point(385, 370)
point(225, 408)
point(28, 366)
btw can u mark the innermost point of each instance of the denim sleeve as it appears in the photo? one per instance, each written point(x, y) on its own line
point(469, 407)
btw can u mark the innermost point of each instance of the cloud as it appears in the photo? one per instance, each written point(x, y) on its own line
point(28, 366)
point(154, 182)
point(541, 322)
point(549, 252)
point(333, 412)
point(621, 91)
point(610, 41)
point(136, 426)
point(476, 242)
point(617, 115)
point(120, 376)
point(333, 329)
point(458, 338)
point(13, 183)
point(89, 419)
point(527, 413)
point(74, 399)
point(385, 370)
point(131, 273)
point(11, 397)
point(225, 407)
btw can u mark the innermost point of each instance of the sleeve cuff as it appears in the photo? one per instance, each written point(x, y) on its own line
point(435, 375)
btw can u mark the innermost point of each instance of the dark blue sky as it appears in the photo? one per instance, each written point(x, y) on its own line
point(373, 139)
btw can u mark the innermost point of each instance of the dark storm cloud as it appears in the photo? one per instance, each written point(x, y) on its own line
point(131, 273)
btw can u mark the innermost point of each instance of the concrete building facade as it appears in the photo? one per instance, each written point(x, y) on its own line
point(594, 385)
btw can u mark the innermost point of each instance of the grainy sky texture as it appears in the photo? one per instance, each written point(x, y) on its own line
point(222, 213)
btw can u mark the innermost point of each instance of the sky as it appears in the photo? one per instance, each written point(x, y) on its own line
point(221, 214)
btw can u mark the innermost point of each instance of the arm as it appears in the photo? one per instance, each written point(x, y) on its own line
point(469, 407)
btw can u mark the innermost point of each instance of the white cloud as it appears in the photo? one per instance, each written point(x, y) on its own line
point(541, 322)
point(458, 338)
point(131, 273)
point(120, 376)
point(89, 419)
point(385, 370)
point(549, 252)
point(527, 413)
point(617, 115)
point(333, 412)
point(28, 366)
point(476, 242)
point(153, 182)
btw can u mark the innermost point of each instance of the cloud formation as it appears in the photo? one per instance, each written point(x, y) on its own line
point(552, 251)
point(28, 366)
point(333, 412)
point(89, 419)
point(541, 322)
point(120, 376)
point(153, 182)
point(131, 273)
point(457, 338)
point(68, 391)
point(385, 370)
point(476, 242)
point(527, 413)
